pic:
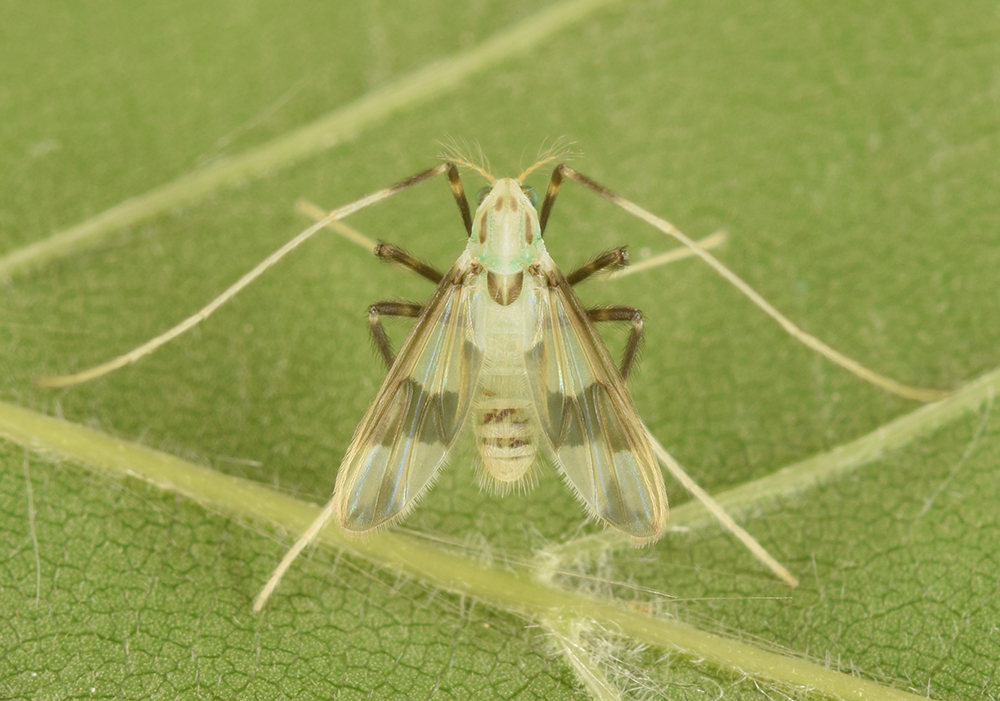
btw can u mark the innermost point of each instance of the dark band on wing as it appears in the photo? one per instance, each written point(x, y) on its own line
point(595, 402)
point(424, 416)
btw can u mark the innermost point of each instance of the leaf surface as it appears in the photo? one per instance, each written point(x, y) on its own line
point(849, 152)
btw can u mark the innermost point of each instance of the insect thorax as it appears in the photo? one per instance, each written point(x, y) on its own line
point(506, 239)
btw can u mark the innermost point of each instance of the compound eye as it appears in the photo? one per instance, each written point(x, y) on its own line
point(531, 194)
point(481, 195)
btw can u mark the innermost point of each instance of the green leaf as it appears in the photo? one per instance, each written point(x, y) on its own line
point(849, 151)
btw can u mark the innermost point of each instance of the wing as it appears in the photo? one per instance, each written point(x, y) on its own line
point(411, 426)
point(594, 435)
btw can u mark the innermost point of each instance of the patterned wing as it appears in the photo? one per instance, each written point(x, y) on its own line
point(412, 425)
point(593, 432)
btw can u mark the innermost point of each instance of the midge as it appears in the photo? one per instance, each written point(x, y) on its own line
point(505, 353)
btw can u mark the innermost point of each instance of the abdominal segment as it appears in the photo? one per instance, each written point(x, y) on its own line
point(505, 439)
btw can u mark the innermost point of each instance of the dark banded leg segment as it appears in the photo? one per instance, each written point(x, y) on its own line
point(379, 336)
point(455, 180)
point(555, 183)
point(631, 315)
point(392, 253)
point(615, 258)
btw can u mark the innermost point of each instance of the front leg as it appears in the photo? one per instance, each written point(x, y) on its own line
point(615, 258)
point(379, 336)
point(630, 314)
point(391, 253)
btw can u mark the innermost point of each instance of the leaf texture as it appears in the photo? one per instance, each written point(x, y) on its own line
point(849, 151)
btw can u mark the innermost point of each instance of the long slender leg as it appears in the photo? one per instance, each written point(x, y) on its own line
point(379, 336)
point(715, 508)
point(314, 528)
point(317, 213)
point(195, 319)
point(457, 190)
point(915, 393)
point(634, 342)
point(609, 260)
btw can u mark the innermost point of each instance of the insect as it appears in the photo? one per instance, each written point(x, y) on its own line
point(505, 355)
point(504, 349)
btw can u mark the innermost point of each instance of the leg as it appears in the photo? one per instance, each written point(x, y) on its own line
point(715, 508)
point(383, 251)
point(391, 253)
point(609, 260)
point(262, 267)
point(457, 190)
point(317, 213)
point(631, 315)
point(889, 385)
point(455, 180)
point(379, 336)
point(555, 182)
point(660, 259)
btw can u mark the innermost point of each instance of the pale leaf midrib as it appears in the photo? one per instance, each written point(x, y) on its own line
point(518, 592)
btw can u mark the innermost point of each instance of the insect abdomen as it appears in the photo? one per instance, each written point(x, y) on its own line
point(505, 439)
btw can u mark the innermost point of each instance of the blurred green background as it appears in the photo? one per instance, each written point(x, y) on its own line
point(849, 151)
